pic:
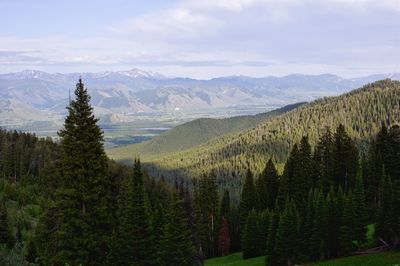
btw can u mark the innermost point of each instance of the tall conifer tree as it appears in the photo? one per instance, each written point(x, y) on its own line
point(177, 247)
point(267, 187)
point(346, 231)
point(143, 247)
point(286, 182)
point(360, 211)
point(346, 159)
point(83, 197)
point(5, 232)
point(287, 243)
point(250, 243)
point(385, 218)
point(324, 161)
point(270, 252)
point(247, 200)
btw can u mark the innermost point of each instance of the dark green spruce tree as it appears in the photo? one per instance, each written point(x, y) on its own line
point(320, 226)
point(287, 243)
point(360, 212)
point(286, 187)
point(386, 220)
point(271, 256)
point(83, 198)
point(247, 199)
point(303, 173)
point(176, 243)
point(345, 159)
point(225, 208)
point(133, 242)
point(263, 220)
point(333, 219)
point(323, 161)
point(206, 211)
point(5, 232)
point(144, 245)
point(267, 187)
point(346, 230)
point(250, 244)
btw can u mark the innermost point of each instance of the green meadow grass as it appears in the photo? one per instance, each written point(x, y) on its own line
point(235, 259)
point(379, 259)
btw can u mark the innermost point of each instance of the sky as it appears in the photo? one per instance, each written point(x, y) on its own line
point(202, 38)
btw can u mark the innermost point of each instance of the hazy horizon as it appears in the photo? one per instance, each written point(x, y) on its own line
point(205, 78)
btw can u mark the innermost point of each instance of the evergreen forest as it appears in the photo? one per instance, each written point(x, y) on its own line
point(306, 185)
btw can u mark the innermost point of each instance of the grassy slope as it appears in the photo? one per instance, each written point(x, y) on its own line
point(235, 259)
point(362, 112)
point(379, 259)
point(193, 133)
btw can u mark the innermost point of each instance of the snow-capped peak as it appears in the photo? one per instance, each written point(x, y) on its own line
point(138, 73)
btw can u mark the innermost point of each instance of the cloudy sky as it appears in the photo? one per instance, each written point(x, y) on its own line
point(202, 38)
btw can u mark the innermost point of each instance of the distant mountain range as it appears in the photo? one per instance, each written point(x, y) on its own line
point(31, 96)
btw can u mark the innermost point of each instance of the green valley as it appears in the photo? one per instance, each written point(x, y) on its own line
point(194, 133)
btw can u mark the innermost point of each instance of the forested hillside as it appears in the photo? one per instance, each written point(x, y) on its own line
point(66, 203)
point(193, 133)
point(361, 112)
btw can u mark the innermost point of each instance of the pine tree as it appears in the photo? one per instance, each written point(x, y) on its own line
point(385, 218)
point(346, 159)
point(360, 212)
point(263, 220)
point(133, 240)
point(333, 216)
point(302, 174)
point(286, 182)
point(287, 243)
point(250, 245)
point(190, 213)
point(271, 256)
point(346, 232)
point(307, 224)
point(5, 233)
point(225, 205)
point(323, 161)
point(31, 253)
point(177, 247)
point(267, 187)
point(143, 246)
point(396, 215)
point(224, 241)
point(83, 198)
point(319, 228)
point(45, 234)
point(206, 211)
point(247, 199)
point(159, 196)
point(377, 155)
point(392, 158)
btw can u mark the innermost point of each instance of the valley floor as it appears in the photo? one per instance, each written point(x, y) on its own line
point(379, 259)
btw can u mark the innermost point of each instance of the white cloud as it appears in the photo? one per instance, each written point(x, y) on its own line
point(181, 23)
point(224, 37)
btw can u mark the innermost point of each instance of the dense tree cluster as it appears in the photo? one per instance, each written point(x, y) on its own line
point(23, 155)
point(321, 209)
